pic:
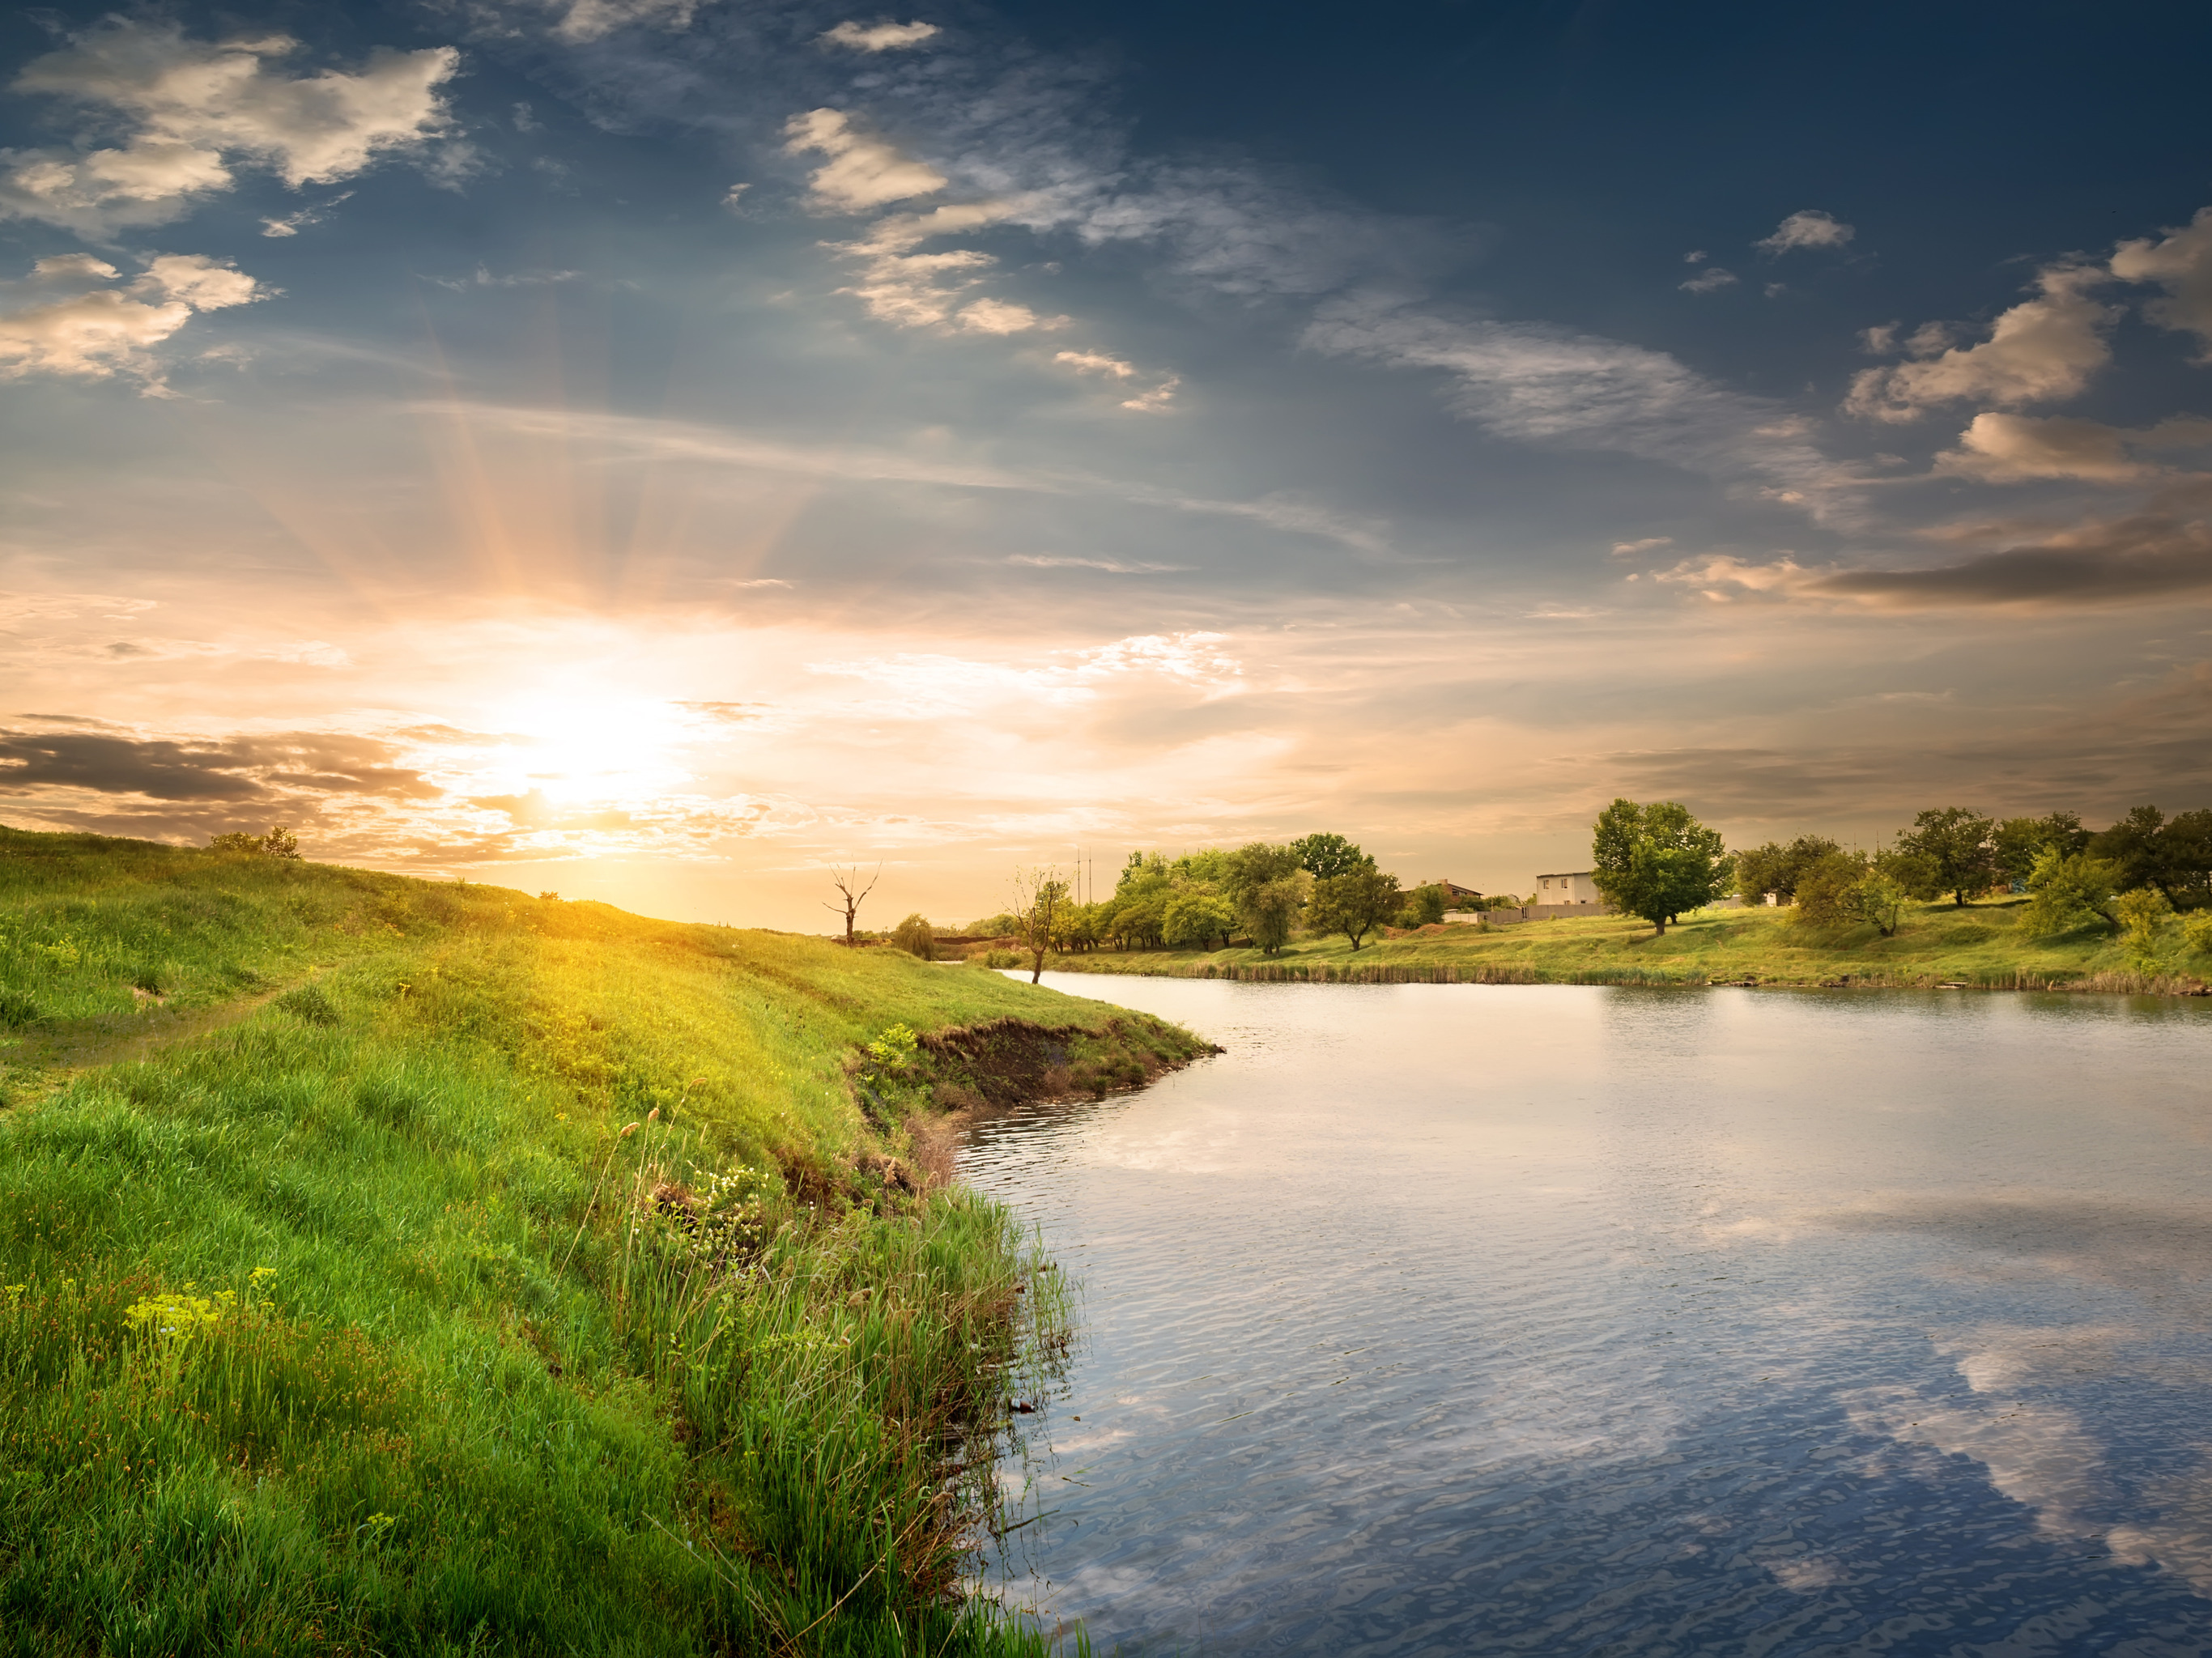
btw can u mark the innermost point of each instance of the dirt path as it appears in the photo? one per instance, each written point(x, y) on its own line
point(41, 1065)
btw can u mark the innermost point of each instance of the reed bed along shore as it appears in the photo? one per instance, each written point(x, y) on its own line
point(1978, 947)
point(398, 1268)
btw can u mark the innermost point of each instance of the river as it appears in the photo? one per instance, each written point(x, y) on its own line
point(1579, 1321)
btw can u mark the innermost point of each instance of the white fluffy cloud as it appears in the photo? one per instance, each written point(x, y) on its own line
point(880, 37)
point(2181, 263)
point(862, 172)
point(190, 110)
point(2041, 350)
point(1811, 228)
point(1711, 280)
point(2014, 448)
point(70, 318)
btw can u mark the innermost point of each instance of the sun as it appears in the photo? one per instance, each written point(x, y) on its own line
point(577, 750)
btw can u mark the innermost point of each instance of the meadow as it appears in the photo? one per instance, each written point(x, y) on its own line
point(396, 1266)
point(1980, 945)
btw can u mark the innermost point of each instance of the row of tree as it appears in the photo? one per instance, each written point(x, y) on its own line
point(1263, 893)
point(1658, 862)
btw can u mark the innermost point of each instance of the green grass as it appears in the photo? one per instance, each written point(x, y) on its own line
point(1980, 944)
point(391, 1267)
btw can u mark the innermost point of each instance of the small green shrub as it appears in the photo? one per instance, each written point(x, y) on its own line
point(309, 1004)
point(2197, 932)
point(17, 1010)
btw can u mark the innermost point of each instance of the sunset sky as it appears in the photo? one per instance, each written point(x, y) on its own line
point(656, 449)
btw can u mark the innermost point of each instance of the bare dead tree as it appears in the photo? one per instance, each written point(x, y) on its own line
point(849, 900)
point(1040, 896)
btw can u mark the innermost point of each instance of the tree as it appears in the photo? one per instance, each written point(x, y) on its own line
point(916, 937)
point(1268, 887)
point(1955, 842)
point(2017, 842)
point(1656, 861)
point(2066, 890)
point(2172, 855)
point(1423, 905)
point(1849, 887)
point(1777, 869)
point(1196, 919)
point(1324, 856)
point(2141, 912)
point(1354, 902)
point(849, 900)
point(1270, 913)
point(1039, 895)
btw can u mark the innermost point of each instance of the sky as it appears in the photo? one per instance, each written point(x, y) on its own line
point(663, 451)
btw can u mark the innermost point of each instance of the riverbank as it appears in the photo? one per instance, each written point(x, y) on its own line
point(399, 1266)
point(1980, 946)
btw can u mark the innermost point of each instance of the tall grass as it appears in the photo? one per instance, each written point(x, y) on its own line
point(534, 1285)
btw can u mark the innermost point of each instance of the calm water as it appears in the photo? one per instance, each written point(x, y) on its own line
point(1446, 1319)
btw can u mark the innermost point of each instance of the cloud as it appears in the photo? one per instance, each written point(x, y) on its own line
point(90, 331)
point(998, 316)
point(190, 109)
point(2041, 350)
point(292, 223)
point(918, 291)
point(1811, 228)
point(880, 37)
point(2013, 448)
point(583, 21)
point(1711, 280)
point(1536, 383)
point(1158, 399)
point(2163, 551)
point(1629, 548)
point(238, 768)
point(862, 172)
point(2180, 263)
point(1112, 566)
point(1096, 362)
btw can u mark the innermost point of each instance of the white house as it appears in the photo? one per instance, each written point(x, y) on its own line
point(1580, 888)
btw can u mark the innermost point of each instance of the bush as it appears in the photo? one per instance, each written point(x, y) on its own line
point(2068, 890)
point(279, 842)
point(916, 937)
point(309, 1004)
point(2197, 932)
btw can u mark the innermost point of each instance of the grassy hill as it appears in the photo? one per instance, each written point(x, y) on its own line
point(398, 1268)
point(1980, 944)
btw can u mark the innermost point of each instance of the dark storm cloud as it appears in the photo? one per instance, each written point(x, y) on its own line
point(2100, 761)
point(240, 769)
point(2157, 553)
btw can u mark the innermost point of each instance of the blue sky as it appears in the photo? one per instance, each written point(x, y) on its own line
point(656, 448)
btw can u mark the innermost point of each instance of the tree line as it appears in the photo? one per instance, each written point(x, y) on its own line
point(1657, 861)
point(1263, 893)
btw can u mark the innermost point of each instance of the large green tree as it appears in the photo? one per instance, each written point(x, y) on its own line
point(1353, 904)
point(1777, 868)
point(1956, 842)
point(1657, 861)
point(1325, 856)
point(2018, 842)
point(1268, 887)
point(2172, 855)
point(1196, 919)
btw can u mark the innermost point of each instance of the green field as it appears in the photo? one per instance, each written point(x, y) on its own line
point(397, 1267)
point(1980, 945)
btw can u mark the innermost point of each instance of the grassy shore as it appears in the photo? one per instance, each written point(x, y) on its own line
point(398, 1268)
point(1980, 945)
